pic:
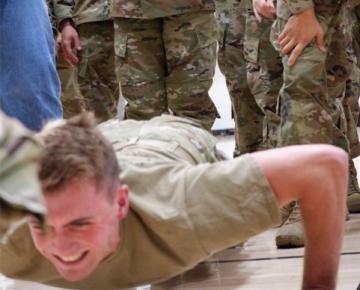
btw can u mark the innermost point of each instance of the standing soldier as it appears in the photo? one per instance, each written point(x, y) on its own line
point(88, 42)
point(351, 105)
point(264, 66)
point(71, 99)
point(247, 114)
point(166, 53)
point(310, 98)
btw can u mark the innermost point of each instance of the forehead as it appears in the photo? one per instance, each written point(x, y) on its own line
point(77, 200)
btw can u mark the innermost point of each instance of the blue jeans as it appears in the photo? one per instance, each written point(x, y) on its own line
point(29, 84)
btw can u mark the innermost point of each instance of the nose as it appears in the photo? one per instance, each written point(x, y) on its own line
point(62, 243)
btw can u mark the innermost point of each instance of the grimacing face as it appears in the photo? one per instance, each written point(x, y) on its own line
point(82, 228)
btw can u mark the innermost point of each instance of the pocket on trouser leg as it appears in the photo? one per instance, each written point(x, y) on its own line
point(121, 66)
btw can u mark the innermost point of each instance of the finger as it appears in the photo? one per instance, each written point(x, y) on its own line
point(69, 56)
point(73, 58)
point(70, 59)
point(66, 46)
point(77, 42)
point(271, 10)
point(257, 15)
point(288, 47)
point(268, 12)
point(295, 54)
point(320, 41)
point(283, 34)
point(271, 4)
point(284, 42)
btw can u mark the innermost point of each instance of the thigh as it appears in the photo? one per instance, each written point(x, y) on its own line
point(190, 41)
point(97, 57)
point(139, 50)
point(231, 26)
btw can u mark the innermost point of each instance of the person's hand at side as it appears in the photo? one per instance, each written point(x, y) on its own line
point(70, 42)
point(299, 31)
point(264, 9)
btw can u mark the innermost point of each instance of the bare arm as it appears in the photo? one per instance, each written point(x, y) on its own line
point(316, 176)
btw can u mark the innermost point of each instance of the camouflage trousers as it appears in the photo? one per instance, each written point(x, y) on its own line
point(96, 69)
point(247, 115)
point(264, 74)
point(314, 107)
point(167, 65)
point(310, 108)
point(71, 99)
point(356, 33)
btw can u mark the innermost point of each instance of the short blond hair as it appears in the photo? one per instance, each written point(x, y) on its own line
point(75, 149)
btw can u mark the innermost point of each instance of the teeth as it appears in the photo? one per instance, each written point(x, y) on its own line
point(72, 258)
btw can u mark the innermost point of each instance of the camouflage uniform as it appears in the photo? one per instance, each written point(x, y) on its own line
point(165, 52)
point(312, 95)
point(184, 206)
point(20, 191)
point(247, 114)
point(71, 99)
point(356, 30)
point(342, 81)
point(264, 72)
point(310, 112)
point(351, 105)
point(96, 68)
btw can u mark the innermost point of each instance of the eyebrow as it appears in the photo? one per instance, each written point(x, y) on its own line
point(35, 220)
point(81, 220)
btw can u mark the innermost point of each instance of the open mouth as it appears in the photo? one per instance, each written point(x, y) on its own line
point(72, 260)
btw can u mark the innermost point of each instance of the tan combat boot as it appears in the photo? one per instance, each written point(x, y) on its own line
point(285, 212)
point(353, 198)
point(291, 234)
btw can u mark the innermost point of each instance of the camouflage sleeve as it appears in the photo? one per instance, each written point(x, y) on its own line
point(20, 191)
point(52, 16)
point(63, 10)
point(298, 6)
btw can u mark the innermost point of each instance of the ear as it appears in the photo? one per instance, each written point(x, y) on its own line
point(122, 201)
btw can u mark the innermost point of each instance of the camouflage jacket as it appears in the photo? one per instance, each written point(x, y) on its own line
point(286, 8)
point(149, 9)
point(81, 11)
point(20, 191)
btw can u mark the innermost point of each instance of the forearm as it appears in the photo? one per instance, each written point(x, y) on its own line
point(323, 216)
point(323, 210)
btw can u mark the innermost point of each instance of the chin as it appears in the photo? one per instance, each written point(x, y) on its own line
point(74, 276)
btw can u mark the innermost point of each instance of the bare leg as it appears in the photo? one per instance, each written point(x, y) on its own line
point(316, 176)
